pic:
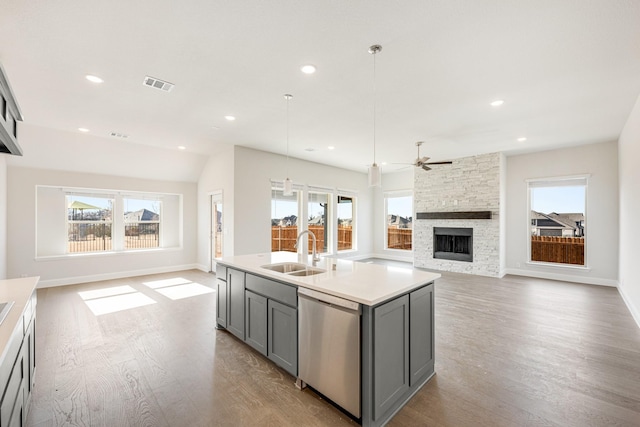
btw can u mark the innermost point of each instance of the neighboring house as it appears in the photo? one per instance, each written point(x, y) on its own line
point(317, 220)
point(555, 224)
point(397, 221)
point(141, 215)
point(345, 222)
point(287, 221)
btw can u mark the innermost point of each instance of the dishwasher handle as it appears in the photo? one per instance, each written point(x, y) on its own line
point(329, 299)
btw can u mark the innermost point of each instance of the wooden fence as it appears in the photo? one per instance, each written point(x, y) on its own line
point(565, 250)
point(284, 238)
point(399, 238)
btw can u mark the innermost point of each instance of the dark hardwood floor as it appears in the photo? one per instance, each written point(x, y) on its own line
point(509, 352)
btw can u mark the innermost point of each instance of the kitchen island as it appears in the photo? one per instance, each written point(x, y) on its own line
point(258, 302)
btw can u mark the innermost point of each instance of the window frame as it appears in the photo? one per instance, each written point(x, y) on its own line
point(68, 222)
point(354, 220)
point(397, 194)
point(558, 181)
point(129, 196)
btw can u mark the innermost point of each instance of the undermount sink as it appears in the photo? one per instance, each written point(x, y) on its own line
point(285, 267)
point(4, 309)
point(307, 272)
point(293, 269)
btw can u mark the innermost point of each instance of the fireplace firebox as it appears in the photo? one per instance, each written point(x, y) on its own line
point(453, 243)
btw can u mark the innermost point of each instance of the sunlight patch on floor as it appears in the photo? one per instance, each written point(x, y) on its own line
point(112, 304)
point(106, 292)
point(184, 291)
point(166, 282)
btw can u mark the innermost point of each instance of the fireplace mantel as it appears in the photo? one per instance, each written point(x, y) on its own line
point(454, 215)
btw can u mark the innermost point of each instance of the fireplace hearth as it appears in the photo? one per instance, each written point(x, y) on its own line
point(454, 244)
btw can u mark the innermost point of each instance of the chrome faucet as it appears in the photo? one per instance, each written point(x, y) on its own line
point(314, 256)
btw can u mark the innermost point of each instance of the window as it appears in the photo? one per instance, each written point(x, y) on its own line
point(72, 221)
point(284, 221)
point(345, 223)
point(399, 220)
point(141, 223)
point(318, 224)
point(89, 223)
point(557, 221)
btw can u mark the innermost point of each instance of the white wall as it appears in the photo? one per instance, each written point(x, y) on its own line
point(629, 187)
point(3, 216)
point(21, 258)
point(217, 175)
point(87, 153)
point(396, 181)
point(247, 198)
point(601, 162)
point(253, 173)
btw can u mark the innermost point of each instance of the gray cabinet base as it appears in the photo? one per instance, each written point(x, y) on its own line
point(386, 338)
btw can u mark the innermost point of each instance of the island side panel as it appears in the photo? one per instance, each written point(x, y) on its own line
point(388, 350)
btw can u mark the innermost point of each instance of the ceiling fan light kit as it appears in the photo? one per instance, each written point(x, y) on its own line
point(375, 174)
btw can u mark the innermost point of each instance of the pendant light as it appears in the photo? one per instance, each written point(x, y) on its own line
point(288, 184)
point(375, 174)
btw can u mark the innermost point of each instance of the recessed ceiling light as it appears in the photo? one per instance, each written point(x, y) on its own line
point(308, 69)
point(94, 79)
point(83, 129)
point(181, 147)
point(497, 103)
point(522, 139)
point(309, 149)
point(331, 147)
point(383, 163)
point(230, 118)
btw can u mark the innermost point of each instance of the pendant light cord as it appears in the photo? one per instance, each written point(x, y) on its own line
point(374, 108)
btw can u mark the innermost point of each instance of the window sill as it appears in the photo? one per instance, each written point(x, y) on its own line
point(559, 266)
point(104, 254)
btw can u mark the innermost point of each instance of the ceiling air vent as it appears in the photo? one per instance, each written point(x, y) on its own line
point(119, 135)
point(158, 84)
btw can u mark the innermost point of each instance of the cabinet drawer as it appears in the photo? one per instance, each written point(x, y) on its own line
point(12, 349)
point(278, 291)
point(221, 272)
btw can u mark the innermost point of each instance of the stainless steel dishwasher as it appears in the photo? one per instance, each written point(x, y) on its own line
point(329, 347)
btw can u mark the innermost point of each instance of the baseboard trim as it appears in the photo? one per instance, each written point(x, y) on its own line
point(632, 309)
point(562, 277)
point(115, 275)
point(203, 267)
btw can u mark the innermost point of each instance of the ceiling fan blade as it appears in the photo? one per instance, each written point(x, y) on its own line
point(439, 163)
point(408, 164)
point(425, 167)
point(424, 159)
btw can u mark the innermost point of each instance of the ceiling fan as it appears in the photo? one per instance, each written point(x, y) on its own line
point(423, 162)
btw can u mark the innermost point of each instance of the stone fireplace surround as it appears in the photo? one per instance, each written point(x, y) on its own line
point(470, 184)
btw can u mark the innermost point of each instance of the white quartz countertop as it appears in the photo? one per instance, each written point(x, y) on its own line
point(368, 284)
point(19, 291)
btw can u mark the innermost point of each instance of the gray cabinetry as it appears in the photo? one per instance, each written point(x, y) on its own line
point(18, 368)
point(421, 337)
point(221, 296)
point(391, 350)
point(281, 320)
point(235, 302)
point(397, 353)
point(283, 336)
point(255, 308)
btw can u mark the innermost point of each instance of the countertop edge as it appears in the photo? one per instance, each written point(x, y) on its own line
point(426, 278)
point(19, 291)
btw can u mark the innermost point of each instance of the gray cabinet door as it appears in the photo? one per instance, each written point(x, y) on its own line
point(283, 336)
point(221, 303)
point(235, 302)
point(421, 340)
point(256, 321)
point(390, 354)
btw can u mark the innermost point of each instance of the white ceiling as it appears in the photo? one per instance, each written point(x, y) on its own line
point(568, 71)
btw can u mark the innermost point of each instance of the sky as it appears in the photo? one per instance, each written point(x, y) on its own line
point(558, 199)
point(131, 205)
